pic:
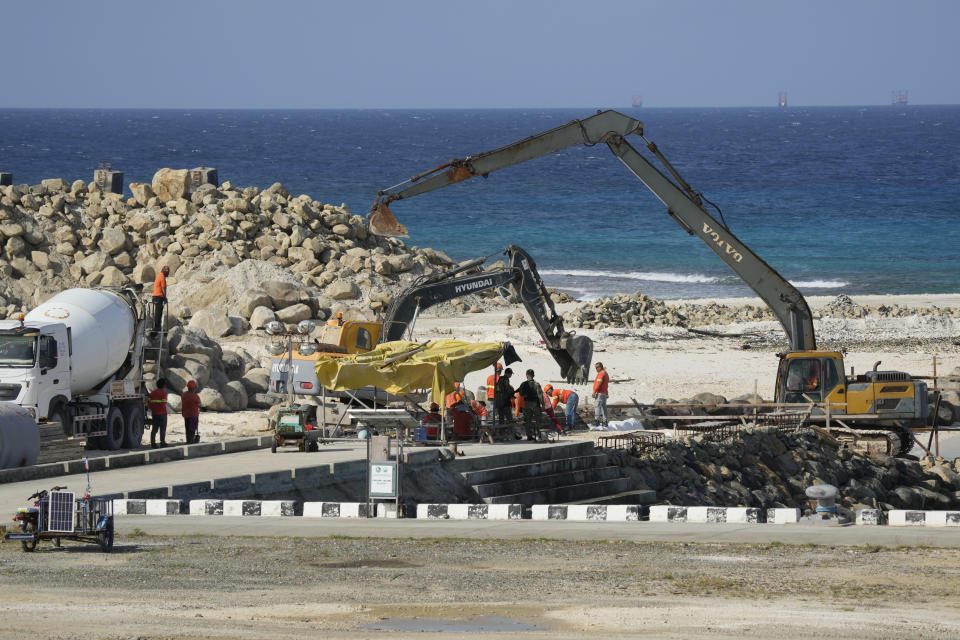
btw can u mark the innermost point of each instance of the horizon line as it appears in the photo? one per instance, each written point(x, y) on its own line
point(488, 108)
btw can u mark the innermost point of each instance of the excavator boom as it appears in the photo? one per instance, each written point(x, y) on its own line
point(684, 205)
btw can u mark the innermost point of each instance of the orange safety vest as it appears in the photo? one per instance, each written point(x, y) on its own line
point(600, 385)
point(491, 384)
point(560, 395)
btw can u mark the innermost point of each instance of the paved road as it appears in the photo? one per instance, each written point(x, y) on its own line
point(501, 529)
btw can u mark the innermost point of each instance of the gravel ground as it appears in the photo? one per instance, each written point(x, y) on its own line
point(201, 587)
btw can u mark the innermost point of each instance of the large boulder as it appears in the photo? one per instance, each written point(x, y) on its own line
point(235, 395)
point(283, 294)
point(261, 316)
point(113, 241)
point(171, 184)
point(256, 380)
point(198, 365)
point(193, 340)
point(212, 400)
point(142, 192)
point(342, 290)
point(213, 322)
point(251, 299)
point(177, 378)
point(294, 314)
point(113, 277)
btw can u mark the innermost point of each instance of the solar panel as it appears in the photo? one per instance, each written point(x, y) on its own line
point(61, 510)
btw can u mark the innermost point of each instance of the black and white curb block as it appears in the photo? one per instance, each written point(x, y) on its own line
point(586, 512)
point(869, 516)
point(243, 507)
point(911, 518)
point(335, 509)
point(783, 516)
point(145, 507)
point(733, 515)
point(469, 511)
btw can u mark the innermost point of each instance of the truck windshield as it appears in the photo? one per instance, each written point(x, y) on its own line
point(17, 351)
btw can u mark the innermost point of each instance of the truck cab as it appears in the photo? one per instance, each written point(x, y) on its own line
point(818, 377)
point(34, 365)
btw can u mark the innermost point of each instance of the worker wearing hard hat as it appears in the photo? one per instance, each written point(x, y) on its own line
point(190, 410)
point(159, 297)
point(157, 403)
point(569, 400)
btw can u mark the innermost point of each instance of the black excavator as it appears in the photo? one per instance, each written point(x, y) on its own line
point(882, 405)
point(517, 279)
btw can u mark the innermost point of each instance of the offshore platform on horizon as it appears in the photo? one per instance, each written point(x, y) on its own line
point(898, 96)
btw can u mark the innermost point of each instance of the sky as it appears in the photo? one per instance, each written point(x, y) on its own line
point(419, 54)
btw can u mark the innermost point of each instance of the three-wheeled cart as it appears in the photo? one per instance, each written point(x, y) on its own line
point(297, 424)
point(60, 515)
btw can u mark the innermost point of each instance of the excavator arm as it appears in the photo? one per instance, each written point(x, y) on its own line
point(572, 352)
point(684, 205)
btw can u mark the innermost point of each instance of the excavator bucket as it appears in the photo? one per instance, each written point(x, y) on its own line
point(384, 223)
point(574, 358)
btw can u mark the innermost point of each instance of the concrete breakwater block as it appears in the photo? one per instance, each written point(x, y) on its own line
point(469, 511)
point(916, 518)
point(586, 512)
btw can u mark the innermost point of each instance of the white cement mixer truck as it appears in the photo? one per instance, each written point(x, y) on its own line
point(78, 359)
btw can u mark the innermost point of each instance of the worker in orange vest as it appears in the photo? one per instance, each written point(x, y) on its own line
point(569, 400)
point(492, 383)
point(157, 403)
point(159, 297)
point(601, 386)
point(455, 397)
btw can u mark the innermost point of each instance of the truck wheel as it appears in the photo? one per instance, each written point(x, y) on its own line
point(113, 440)
point(59, 413)
point(133, 426)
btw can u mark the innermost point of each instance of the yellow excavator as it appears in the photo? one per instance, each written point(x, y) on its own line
point(884, 405)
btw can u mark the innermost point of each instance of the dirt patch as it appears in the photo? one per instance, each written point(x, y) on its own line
point(203, 587)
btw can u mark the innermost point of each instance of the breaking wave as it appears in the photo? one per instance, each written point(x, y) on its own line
point(651, 276)
point(820, 284)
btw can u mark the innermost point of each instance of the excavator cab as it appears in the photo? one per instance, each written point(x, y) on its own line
point(812, 376)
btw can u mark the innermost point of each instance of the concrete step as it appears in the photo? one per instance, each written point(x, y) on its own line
point(531, 469)
point(540, 453)
point(565, 494)
point(535, 483)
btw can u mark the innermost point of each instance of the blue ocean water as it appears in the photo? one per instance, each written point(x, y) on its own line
point(838, 199)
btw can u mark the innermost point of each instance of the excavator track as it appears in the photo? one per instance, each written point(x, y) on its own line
point(891, 441)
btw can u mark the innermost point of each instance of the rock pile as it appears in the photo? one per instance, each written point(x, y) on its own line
point(759, 467)
point(56, 235)
point(638, 310)
point(229, 379)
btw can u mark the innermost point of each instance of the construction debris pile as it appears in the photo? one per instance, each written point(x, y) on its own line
point(638, 310)
point(759, 467)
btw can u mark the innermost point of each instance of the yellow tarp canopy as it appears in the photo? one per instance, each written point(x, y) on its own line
point(400, 367)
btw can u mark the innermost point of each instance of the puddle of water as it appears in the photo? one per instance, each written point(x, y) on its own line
point(474, 625)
